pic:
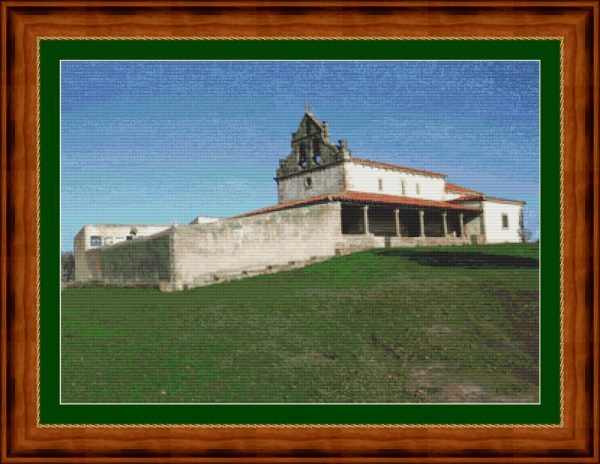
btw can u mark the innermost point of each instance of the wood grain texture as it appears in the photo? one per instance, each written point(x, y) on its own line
point(24, 21)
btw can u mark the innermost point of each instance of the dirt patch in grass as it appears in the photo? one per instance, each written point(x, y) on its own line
point(437, 329)
point(465, 392)
point(426, 381)
point(323, 356)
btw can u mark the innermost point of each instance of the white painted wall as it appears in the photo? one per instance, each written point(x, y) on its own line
point(327, 180)
point(115, 233)
point(492, 217)
point(362, 178)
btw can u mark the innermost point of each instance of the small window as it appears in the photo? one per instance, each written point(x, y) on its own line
point(130, 237)
point(95, 241)
point(308, 182)
point(505, 221)
point(418, 189)
point(403, 186)
point(380, 184)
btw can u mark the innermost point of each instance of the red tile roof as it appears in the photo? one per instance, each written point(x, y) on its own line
point(362, 197)
point(460, 189)
point(398, 200)
point(394, 167)
point(287, 204)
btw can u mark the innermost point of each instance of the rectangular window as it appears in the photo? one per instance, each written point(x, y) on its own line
point(380, 184)
point(95, 241)
point(505, 221)
point(418, 188)
point(403, 187)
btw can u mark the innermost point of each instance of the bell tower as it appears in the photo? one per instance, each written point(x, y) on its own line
point(311, 147)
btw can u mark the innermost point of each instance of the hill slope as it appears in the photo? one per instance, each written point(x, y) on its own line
point(456, 324)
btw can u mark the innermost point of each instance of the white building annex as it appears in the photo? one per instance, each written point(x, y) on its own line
point(329, 203)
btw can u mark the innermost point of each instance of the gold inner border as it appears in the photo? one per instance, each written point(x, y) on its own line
point(292, 425)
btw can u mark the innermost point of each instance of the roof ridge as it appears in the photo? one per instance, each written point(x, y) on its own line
point(397, 167)
point(314, 118)
point(459, 188)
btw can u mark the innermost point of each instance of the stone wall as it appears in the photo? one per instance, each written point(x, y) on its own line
point(82, 273)
point(352, 243)
point(328, 179)
point(142, 261)
point(108, 235)
point(188, 256)
point(207, 253)
point(426, 241)
point(474, 228)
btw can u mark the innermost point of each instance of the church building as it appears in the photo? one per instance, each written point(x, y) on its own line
point(330, 203)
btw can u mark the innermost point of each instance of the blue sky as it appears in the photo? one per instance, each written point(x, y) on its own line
point(159, 142)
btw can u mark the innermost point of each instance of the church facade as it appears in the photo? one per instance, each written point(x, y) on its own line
point(329, 203)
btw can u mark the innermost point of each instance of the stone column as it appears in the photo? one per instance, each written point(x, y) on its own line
point(397, 222)
point(462, 224)
point(444, 217)
point(366, 219)
point(421, 223)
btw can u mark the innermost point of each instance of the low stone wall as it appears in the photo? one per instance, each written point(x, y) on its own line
point(142, 261)
point(347, 244)
point(474, 230)
point(427, 241)
point(226, 276)
point(235, 248)
point(360, 242)
point(202, 254)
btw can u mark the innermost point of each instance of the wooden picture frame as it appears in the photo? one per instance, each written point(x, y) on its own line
point(575, 439)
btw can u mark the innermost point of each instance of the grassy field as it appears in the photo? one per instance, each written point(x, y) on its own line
point(447, 324)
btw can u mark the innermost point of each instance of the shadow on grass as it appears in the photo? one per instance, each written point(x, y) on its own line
point(474, 260)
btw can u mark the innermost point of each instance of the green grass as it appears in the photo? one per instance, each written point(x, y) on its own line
point(456, 324)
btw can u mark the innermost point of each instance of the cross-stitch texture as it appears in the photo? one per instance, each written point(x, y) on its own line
point(393, 259)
